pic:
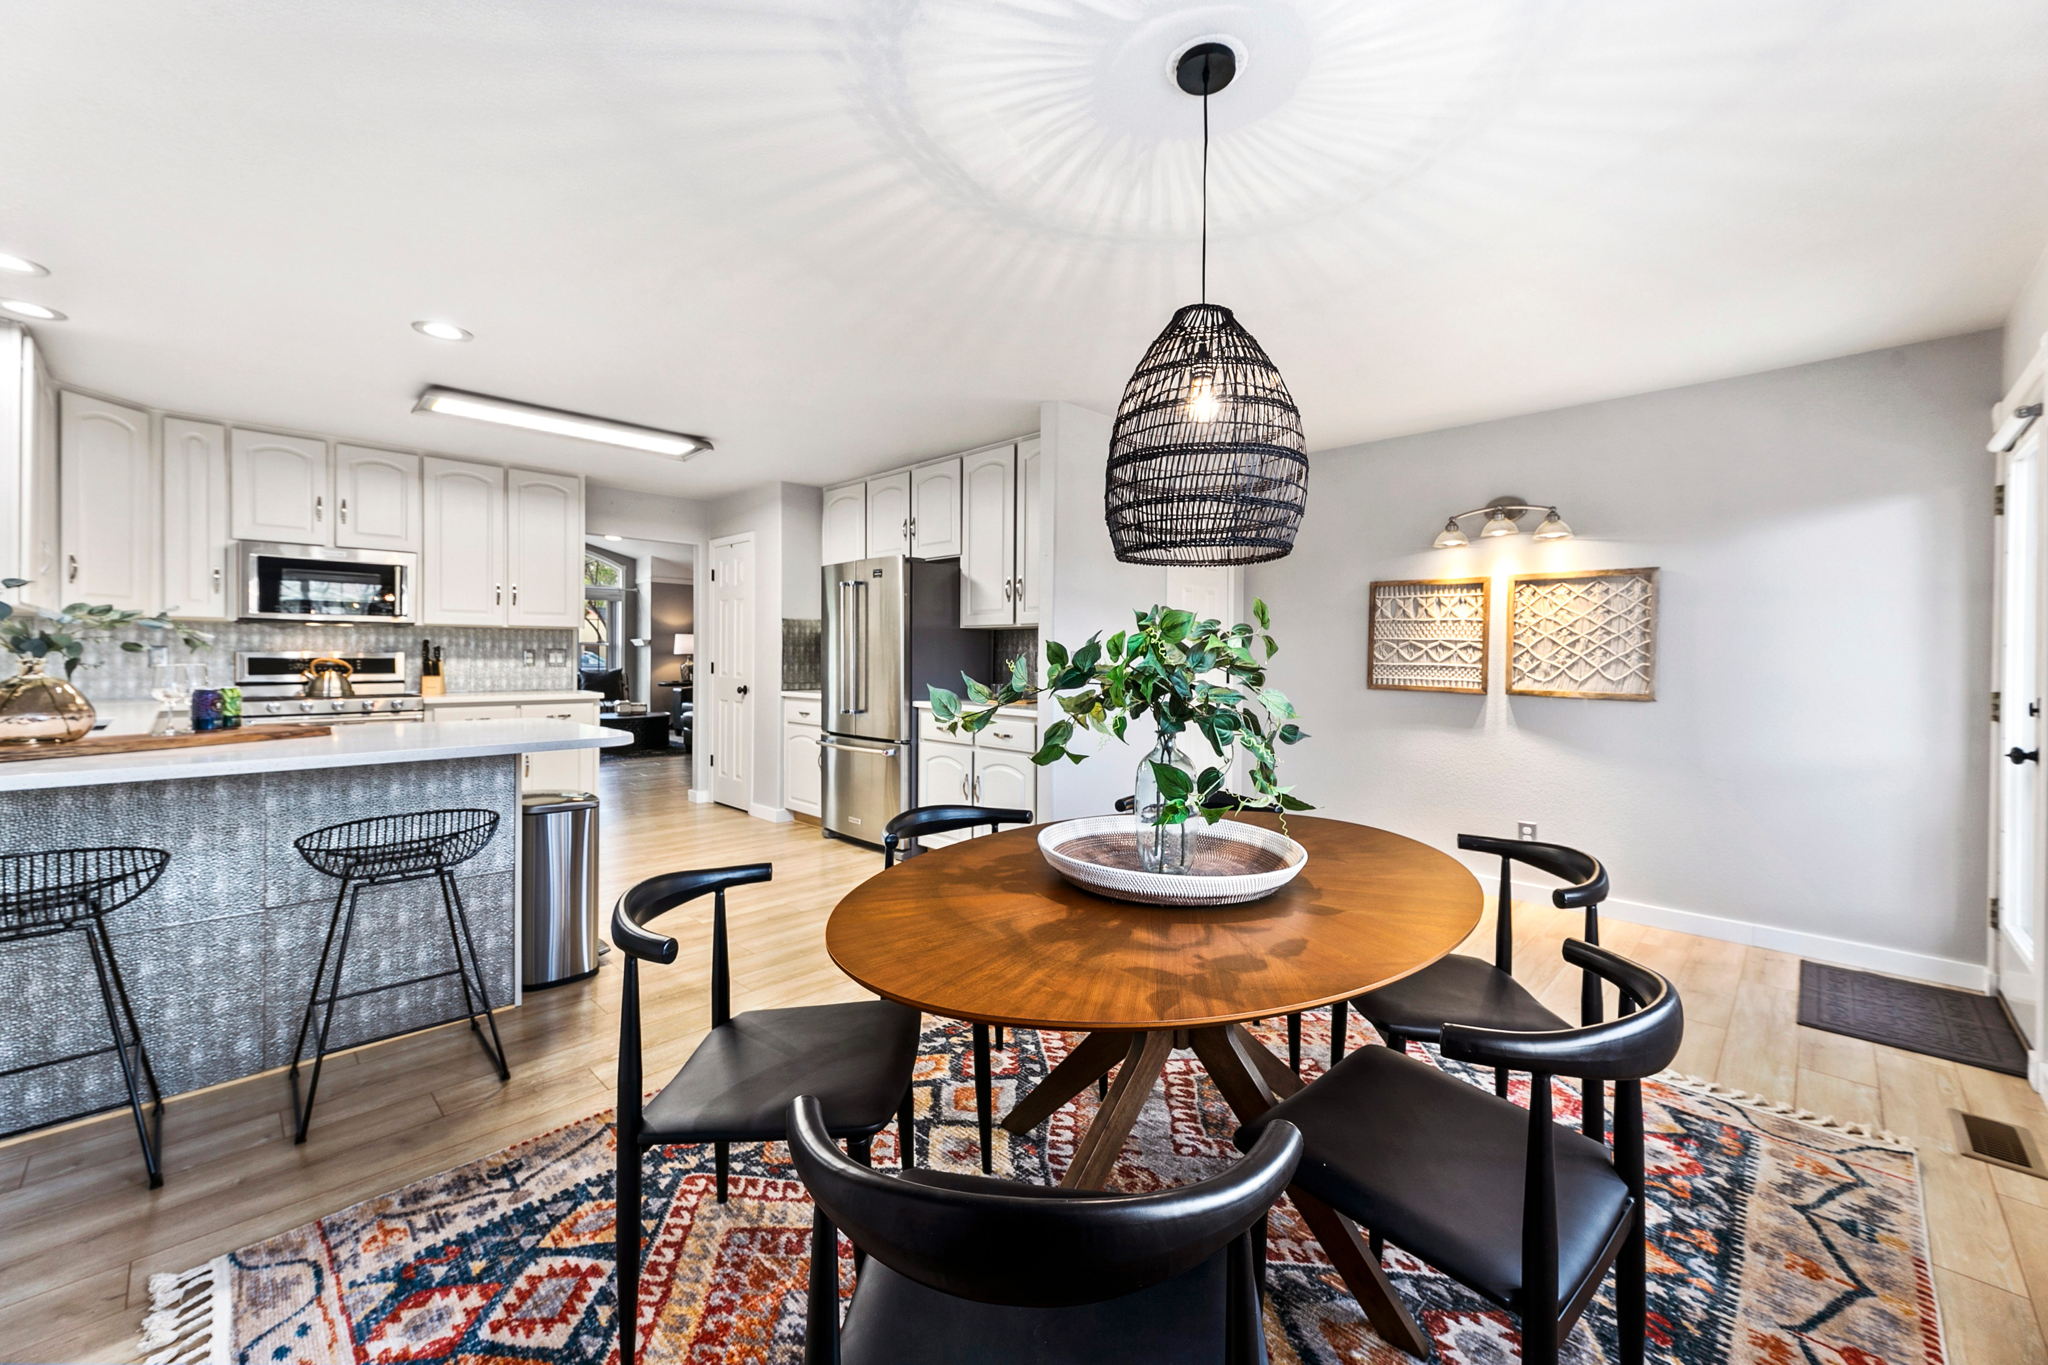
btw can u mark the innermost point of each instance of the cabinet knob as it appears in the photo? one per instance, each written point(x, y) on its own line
point(319, 508)
point(71, 576)
point(343, 509)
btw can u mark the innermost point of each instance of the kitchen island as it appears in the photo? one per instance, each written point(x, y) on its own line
point(219, 955)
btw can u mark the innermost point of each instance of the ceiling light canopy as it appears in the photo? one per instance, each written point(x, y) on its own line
point(1207, 462)
point(20, 265)
point(576, 425)
point(1503, 518)
point(36, 312)
point(443, 331)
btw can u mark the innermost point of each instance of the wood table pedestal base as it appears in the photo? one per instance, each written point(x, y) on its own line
point(1251, 1081)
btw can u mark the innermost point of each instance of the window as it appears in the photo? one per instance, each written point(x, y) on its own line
point(604, 633)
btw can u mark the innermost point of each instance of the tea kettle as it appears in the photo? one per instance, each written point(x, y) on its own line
point(329, 677)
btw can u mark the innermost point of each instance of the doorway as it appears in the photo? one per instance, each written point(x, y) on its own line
point(636, 648)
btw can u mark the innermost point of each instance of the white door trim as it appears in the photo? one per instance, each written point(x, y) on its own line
point(737, 792)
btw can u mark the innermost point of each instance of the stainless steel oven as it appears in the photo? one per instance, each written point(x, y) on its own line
point(320, 583)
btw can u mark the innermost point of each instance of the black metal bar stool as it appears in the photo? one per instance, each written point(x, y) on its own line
point(73, 889)
point(384, 850)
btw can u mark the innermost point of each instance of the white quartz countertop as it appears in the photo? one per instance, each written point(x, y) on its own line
point(1017, 708)
point(508, 698)
point(348, 746)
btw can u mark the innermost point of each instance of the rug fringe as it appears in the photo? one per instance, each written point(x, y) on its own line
point(1749, 1099)
point(188, 1317)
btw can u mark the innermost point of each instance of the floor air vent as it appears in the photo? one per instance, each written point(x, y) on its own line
point(1997, 1142)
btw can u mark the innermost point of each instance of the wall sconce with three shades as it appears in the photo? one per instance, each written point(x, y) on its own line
point(1503, 518)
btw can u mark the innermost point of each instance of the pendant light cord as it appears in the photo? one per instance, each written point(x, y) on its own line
point(1205, 180)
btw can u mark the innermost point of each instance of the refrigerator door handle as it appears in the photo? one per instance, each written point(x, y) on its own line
point(860, 655)
point(842, 700)
point(830, 743)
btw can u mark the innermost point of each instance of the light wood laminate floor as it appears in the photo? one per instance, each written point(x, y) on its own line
point(80, 1234)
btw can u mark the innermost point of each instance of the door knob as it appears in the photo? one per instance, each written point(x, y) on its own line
point(2019, 755)
point(741, 690)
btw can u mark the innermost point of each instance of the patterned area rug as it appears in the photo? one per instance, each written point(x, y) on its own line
point(1775, 1241)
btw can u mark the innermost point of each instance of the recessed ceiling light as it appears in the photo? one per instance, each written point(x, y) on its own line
point(614, 537)
point(21, 265)
point(442, 331)
point(22, 308)
point(505, 412)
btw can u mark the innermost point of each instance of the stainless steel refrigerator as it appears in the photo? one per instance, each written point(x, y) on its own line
point(892, 628)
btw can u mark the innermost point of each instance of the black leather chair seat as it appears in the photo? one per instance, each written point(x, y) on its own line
point(1435, 1166)
point(1457, 989)
point(856, 1058)
point(897, 1321)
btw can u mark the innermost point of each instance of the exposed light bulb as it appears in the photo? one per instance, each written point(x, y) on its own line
point(1451, 537)
point(1499, 524)
point(1203, 405)
point(1553, 528)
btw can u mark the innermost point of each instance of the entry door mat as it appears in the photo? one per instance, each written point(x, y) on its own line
point(1935, 1021)
point(1774, 1240)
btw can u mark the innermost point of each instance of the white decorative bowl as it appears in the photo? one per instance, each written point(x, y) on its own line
point(1233, 862)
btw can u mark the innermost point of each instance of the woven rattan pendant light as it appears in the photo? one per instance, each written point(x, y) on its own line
point(1207, 465)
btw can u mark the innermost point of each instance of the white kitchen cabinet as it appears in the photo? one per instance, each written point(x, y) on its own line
point(376, 499)
point(543, 549)
point(462, 560)
point(558, 770)
point(279, 488)
point(844, 533)
point(198, 568)
point(108, 506)
point(988, 547)
point(28, 466)
point(935, 509)
point(1004, 779)
point(803, 783)
point(945, 776)
point(991, 767)
point(889, 514)
point(1030, 543)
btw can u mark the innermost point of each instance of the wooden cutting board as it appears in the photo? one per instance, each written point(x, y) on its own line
point(141, 744)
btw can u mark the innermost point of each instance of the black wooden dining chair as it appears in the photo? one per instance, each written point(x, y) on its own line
point(1525, 1213)
point(902, 838)
point(855, 1058)
point(964, 1268)
point(1469, 990)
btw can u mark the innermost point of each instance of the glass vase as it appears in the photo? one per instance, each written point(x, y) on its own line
point(36, 708)
point(1162, 848)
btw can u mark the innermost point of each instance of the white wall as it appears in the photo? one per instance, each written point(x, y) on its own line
point(2027, 323)
point(1813, 773)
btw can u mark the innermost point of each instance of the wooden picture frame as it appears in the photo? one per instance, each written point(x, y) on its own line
point(1422, 635)
point(1587, 633)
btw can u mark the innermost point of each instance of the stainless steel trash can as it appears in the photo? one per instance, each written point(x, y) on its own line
point(557, 888)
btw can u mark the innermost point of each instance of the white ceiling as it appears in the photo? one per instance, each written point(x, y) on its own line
point(836, 234)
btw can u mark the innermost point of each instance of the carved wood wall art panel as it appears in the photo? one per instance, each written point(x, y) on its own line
point(1590, 634)
point(1428, 635)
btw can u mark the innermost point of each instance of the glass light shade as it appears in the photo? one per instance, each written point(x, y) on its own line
point(685, 644)
point(1553, 528)
point(1499, 524)
point(1450, 538)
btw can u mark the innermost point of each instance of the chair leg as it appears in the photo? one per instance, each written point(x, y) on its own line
point(721, 1165)
point(1260, 1234)
point(1500, 1081)
point(458, 917)
point(1340, 1024)
point(861, 1149)
point(997, 1038)
point(1539, 1337)
point(626, 1242)
point(984, 1100)
point(1294, 1042)
point(1593, 1110)
point(1631, 1296)
point(906, 1129)
point(1376, 1244)
point(354, 892)
point(137, 1073)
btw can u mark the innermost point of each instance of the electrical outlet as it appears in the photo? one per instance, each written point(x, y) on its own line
point(557, 657)
point(1525, 830)
point(526, 657)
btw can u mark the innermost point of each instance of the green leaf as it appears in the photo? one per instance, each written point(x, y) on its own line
point(945, 705)
point(978, 691)
point(1276, 703)
point(1020, 672)
point(1176, 624)
point(1056, 654)
point(1116, 645)
point(1260, 614)
point(13, 582)
point(1288, 802)
point(1271, 647)
point(1291, 733)
point(132, 647)
point(5, 611)
point(1174, 784)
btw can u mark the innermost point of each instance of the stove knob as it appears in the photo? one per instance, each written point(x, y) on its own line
point(372, 704)
point(306, 708)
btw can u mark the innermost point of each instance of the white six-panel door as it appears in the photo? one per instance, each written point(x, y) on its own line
point(732, 652)
point(108, 507)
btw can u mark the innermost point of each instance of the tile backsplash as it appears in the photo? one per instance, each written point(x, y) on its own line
point(1010, 643)
point(477, 659)
point(803, 655)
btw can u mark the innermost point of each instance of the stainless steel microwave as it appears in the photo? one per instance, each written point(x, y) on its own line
point(320, 583)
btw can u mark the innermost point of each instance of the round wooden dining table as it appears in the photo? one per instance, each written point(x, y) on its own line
point(986, 931)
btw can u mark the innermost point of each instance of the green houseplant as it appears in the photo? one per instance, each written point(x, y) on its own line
point(1184, 673)
point(36, 708)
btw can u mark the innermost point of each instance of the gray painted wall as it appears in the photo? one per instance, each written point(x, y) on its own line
point(1814, 768)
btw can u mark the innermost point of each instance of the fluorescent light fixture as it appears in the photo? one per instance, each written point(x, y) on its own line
point(576, 425)
point(443, 331)
point(21, 265)
point(22, 308)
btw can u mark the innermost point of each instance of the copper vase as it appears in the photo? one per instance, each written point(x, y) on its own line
point(36, 708)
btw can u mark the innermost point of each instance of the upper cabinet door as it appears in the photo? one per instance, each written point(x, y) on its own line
point(845, 531)
point(889, 514)
point(376, 499)
point(196, 542)
point(935, 509)
point(988, 544)
point(1030, 569)
point(280, 488)
point(462, 556)
point(108, 507)
point(30, 539)
point(543, 549)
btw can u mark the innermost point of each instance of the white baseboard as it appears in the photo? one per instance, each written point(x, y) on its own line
point(1840, 952)
point(700, 796)
point(774, 815)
